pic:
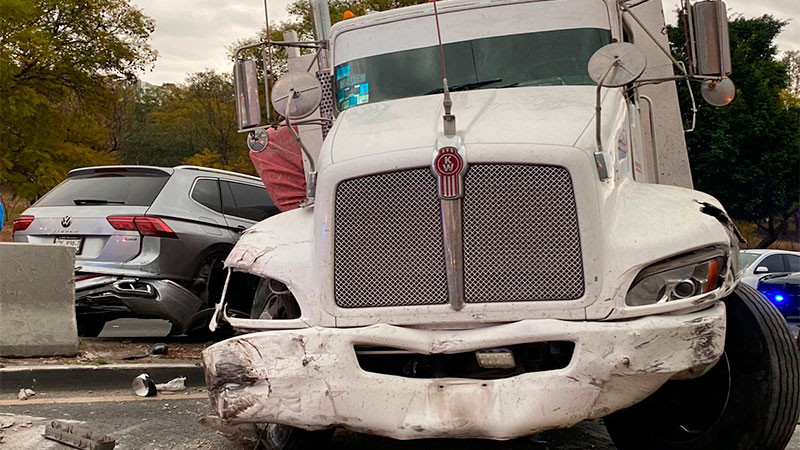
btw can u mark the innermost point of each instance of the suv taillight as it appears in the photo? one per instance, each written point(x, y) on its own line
point(146, 226)
point(21, 223)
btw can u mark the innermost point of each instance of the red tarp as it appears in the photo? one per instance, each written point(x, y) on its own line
point(280, 167)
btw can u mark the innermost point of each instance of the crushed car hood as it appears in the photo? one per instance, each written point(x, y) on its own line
point(555, 115)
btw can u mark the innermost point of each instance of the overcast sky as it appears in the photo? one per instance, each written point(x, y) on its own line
point(193, 35)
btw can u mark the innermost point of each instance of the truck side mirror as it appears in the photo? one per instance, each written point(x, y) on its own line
point(296, 95)
point(712, 49)
point(245, 79)
point(617, 64)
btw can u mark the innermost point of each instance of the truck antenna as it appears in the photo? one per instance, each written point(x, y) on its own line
point(449, 119)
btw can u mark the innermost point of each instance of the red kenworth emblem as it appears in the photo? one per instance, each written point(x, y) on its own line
point(448, 166)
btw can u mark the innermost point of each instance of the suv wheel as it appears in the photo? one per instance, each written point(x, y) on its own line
point(209, 280)
point(749, 400)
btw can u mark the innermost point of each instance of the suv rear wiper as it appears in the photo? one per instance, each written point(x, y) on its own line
point(465, 86)
point(96, 201)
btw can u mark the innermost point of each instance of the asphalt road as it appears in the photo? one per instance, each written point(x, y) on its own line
point(172, 422)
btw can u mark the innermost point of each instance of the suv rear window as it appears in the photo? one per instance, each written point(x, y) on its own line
point(138, 189)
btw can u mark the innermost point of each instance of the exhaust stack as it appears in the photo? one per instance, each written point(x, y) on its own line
point(321, 24)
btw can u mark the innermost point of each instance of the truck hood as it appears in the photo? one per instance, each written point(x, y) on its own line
point(555, 115)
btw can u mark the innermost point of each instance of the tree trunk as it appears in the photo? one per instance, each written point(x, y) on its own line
point(772, 235)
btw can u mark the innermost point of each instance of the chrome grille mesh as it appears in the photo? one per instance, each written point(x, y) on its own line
point(521, 235)
point(388, 241)
point(521, 238)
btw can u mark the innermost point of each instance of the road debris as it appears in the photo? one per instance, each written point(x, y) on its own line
point(25, 394)
point(156, 349)
point(78, 437)
point(172, 386)
point(143, 386)
point(159, 349)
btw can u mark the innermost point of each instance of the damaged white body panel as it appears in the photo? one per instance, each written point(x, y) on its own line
point(311, 378)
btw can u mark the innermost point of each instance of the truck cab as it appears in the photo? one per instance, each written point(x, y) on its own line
point(524, 255)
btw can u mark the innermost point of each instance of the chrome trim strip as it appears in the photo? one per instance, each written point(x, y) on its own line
point(453, 241)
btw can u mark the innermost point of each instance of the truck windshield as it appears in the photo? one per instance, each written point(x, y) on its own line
point(546, 58)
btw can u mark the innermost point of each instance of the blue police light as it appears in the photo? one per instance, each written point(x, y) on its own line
point(779, 298)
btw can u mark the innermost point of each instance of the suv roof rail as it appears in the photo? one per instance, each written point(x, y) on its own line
point(219, 171)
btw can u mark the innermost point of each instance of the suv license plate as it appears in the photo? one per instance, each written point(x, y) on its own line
point(76, 242)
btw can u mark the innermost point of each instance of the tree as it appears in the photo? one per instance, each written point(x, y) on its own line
point(60, 67)
point(747, 154)
point(300, 11)
point(792, 61)
point(193, 122)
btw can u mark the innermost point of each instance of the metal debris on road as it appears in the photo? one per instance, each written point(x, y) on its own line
point(78, 437)
point(143, 386)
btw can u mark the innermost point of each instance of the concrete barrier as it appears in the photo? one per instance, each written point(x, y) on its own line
point(37, 300)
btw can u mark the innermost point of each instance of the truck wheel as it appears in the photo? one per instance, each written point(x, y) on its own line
point(272, 436)
point(274, 301)
point(749, 400)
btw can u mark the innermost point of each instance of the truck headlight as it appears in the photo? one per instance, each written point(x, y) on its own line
point(676, 279)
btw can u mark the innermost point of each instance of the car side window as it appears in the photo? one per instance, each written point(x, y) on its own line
point(252, 202)
point(206, 192)
point(792, 262)
point(228, 204)
point(773, 264)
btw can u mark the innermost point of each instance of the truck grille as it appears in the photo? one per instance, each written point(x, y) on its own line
point(521, 235)
point(521, 238)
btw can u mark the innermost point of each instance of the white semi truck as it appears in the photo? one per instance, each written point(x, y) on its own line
point(499, 237)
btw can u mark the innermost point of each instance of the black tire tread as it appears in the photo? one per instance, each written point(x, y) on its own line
point(762, 354)
point(783, 415)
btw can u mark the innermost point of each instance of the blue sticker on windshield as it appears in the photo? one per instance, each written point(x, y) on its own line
point(352, 88)
point(343, 72)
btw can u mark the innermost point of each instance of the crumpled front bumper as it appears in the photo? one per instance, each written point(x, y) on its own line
point(120, 296)
point(310, 378)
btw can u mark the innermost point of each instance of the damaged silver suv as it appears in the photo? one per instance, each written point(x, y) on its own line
point(150, 241)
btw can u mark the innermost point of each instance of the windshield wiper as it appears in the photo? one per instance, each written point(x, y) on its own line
point(96, 201)
point(465, 86)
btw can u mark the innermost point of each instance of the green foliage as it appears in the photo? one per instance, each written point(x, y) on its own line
point(194, 122)
point(301, 23)
point(747, 154)
point(59, 72)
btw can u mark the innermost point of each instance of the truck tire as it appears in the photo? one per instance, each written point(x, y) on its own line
point(272, 436)
point(750, 400)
